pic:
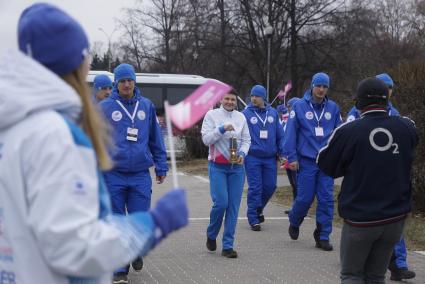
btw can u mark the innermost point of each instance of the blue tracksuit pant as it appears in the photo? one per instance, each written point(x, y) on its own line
point(129, 193)
point(313, 182)
point(226, 186)
point(262, 178)
point(400, 254)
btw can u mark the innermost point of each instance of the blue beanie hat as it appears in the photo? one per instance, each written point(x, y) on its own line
point(258, 91)
point(320, 79)
point(386, 79)
point(124, 71)
point(52, 37)
point(102, 81)
point(292, 101)
point(282, 109)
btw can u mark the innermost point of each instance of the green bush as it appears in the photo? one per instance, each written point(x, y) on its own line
point(195, 148)
point(410, 100)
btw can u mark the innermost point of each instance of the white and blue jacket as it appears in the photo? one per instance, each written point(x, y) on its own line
point(55, 220)
point(264, 119)
point(130, 156)
point(300, 136)
point(354, 113)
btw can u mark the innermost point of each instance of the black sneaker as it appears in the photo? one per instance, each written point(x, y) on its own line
point(229, 253)
point(324, 245)
point(294, 232)
point(287, 211)
point(120, 278)
point(137, 264)
point(256, 227)
point(211, 244)
point(399, 274)
point(261, 218)
point(316, 236)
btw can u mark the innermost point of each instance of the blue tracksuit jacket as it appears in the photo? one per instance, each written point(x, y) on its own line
point(300, 139)
point(130, 156)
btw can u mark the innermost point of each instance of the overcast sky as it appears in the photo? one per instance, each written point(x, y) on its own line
point(92, 15)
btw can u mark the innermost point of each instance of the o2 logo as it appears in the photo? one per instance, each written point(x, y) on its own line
point(387, 146)
point(7, 277)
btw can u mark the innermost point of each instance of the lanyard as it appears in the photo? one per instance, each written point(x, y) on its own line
point(126, 111)
point(321, 115)
point(265, 119)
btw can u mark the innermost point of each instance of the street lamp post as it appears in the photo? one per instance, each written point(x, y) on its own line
point(109, 46)
point(268, 31)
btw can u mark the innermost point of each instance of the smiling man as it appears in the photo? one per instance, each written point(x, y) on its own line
point(311, 123)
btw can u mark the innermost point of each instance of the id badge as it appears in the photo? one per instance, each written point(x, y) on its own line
point(319, 131)
point(263, 134)
point(132, 134)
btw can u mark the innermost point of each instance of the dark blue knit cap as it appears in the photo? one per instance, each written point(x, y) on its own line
point(386, 79)
point(282, 109)
point(259, 91)
point(102, 81)
point(320, 79)
point(52, 37)
point(124, 71)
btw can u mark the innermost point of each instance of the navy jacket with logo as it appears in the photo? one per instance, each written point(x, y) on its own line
point(375, 155)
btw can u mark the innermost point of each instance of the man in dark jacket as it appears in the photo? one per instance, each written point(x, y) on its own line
point(374, 154)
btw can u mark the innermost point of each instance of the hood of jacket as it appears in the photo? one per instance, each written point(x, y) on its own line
point(27, 87)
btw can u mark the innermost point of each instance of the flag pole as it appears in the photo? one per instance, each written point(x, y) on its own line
point(170, 142)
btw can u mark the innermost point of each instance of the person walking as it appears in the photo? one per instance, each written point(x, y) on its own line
point(139, 145)
point(374, 155)
point(225, 131)
point(55, 216)
point(311, 122)
point(398, 265)
point(266, 148)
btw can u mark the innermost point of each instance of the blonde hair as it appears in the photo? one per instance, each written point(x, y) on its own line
point(92, 123)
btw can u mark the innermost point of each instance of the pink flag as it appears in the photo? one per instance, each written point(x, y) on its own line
point(283, 93)
point(187, 112)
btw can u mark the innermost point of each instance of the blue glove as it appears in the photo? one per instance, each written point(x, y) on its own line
point(170, 213)
point(222, 129)
point(241, 154)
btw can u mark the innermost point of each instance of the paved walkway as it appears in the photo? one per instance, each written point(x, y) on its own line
point(268, 256)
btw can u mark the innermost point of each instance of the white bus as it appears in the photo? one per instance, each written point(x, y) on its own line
point(161, 87)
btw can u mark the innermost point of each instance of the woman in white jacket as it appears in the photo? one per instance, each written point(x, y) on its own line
point(226, 171)
point(55, 220)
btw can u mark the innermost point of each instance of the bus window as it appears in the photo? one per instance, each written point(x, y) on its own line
point(153, 93)
point(176, 94)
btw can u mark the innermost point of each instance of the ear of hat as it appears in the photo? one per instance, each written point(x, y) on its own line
point(52, 37)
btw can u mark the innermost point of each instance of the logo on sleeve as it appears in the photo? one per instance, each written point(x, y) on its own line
point(116, 115)
point(254, 120)
point(328, 115)
point(292, 114)
point(309, 115)
point(270, 119)
point(351, 118)
point(141, 115)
